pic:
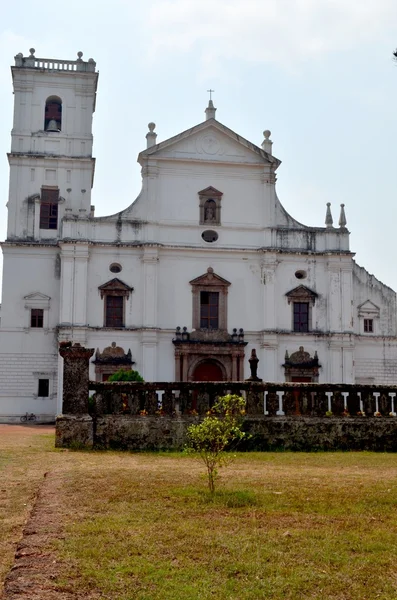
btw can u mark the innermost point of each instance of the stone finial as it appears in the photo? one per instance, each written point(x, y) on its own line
point(342, 217)
point(253, 361)
point(151, 135)
point(32, 51)
point(267, 142)
point(79, 56)
point(210, 111)
point(328, 216)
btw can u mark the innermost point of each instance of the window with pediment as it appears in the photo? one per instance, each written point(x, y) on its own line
point(209, 301)
point(37, 306)
point(115, 293)
point(210, 206)
point(302, 300)
point(368, 314)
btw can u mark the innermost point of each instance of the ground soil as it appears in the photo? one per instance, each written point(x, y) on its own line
point(35, 566)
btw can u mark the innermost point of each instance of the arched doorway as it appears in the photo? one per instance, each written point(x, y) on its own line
point(208, 371)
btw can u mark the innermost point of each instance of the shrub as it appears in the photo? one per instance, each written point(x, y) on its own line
point(218, 432)
point(124, 375)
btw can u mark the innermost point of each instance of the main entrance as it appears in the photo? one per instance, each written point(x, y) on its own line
point(208, 371)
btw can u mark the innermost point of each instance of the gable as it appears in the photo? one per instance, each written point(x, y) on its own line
point(210, 141)
point(301, 294)
point(210, 279)
point(115, 287)
point(368, 308)
point(37, 300)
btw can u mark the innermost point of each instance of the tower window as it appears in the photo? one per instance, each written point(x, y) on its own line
point(368, 325)
point(49, 208)
point(53, 114)
point(36, 317)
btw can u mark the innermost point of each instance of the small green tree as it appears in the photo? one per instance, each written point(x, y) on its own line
point(218, 432)
point(124, 375)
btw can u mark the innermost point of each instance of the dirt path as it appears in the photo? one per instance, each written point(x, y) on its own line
point(35, 567)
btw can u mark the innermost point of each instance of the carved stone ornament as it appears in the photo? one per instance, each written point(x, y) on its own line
point(115, 287)
point(301, 364)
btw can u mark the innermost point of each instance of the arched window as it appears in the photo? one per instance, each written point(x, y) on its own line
point(53, 114)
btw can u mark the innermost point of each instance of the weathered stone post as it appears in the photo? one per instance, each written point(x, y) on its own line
point(75, 426)
point(76, 361)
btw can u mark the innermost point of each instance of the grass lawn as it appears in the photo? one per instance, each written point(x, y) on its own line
point(283, 525)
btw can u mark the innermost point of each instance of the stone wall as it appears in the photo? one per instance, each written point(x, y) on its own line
point(127, 432)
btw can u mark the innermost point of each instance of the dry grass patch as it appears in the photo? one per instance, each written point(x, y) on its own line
point(286, 526)
point(141, 526)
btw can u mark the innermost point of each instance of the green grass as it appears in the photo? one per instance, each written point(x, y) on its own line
point(281, 526)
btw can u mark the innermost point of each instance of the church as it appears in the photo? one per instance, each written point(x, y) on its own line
point(204, 266)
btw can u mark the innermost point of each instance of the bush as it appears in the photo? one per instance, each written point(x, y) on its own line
point(218, 432)
point(124, 375)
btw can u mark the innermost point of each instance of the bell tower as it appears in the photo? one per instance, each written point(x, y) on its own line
point(51, 163)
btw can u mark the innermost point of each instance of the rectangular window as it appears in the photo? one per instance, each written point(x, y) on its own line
point(209, 310)
point(44, 388)
point(36, 317)
point(301, 316)
point(114, 316)
point(368, 325)
point(49, 208)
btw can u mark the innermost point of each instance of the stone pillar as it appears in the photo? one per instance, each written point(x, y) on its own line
point(75, 378)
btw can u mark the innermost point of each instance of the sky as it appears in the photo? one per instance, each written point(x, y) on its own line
point(318, 73)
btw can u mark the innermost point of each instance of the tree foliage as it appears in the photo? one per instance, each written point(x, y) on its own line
point(124, 375)
point(218, 433)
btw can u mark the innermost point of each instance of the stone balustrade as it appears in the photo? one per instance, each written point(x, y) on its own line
point(265, 399)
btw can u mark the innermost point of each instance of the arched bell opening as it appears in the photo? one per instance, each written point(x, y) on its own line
point(53, 114)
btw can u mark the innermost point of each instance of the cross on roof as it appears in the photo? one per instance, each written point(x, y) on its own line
point(210, 93)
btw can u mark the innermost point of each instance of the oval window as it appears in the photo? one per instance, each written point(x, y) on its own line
point(209, 236)
point(115, 268)
point(300, 274)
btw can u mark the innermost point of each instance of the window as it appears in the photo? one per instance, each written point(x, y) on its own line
point(301, 316)
point(49, 208)
point(368, 326)
point(209, 310)
point(53, 114)
point(36, 317)
point(209, 236)
point(114, 312)
point(302, 299)
point(115, 292)
point(115, 268)
point(37, 309)
point(43, 388)
point(209, 301)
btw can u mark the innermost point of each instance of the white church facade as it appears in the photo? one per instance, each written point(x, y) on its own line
point(204, 266)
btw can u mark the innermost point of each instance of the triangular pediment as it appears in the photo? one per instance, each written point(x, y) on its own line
point(210, 279)
point(210, 141)
point(37, 296)
point(115, 287)
point(301, 294)
point(210, 191)
point(368, 308)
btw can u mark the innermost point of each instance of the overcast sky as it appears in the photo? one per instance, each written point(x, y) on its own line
point(318, 73)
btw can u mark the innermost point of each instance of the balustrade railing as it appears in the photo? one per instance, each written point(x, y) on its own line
point(262, 399)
